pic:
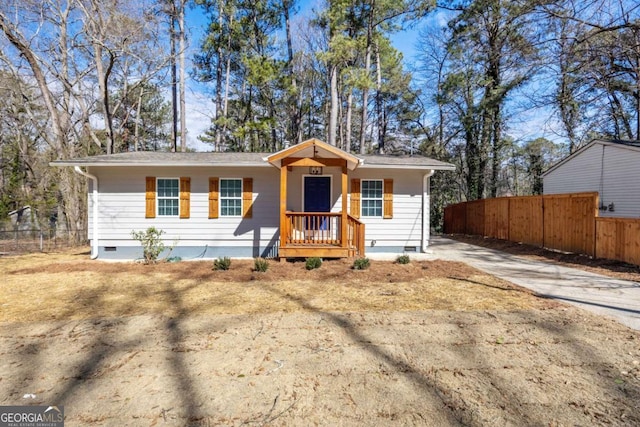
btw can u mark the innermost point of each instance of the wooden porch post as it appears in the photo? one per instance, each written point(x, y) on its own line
point(283, 206)
point(343, 223)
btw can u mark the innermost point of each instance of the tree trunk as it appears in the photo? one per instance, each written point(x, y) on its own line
point(227, 82)
point(365, 95)
point(183, 102)
point(22, 46)
point(103, 83)
point(295, 105)
point(333, 109)
point(347, 142)
point(218, 101)
point(174, 78)
point(497, 148)
point(379, 107)
point(138, 119)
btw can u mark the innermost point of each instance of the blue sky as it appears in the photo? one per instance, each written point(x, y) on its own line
point(526, 125)
point(199, 105)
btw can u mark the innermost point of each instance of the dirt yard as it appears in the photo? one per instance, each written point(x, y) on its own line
point(429, 343)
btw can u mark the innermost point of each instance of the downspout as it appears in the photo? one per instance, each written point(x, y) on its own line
point(426, 210)
point(94, 241)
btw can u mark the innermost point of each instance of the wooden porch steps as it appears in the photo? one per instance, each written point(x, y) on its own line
point(300, 250)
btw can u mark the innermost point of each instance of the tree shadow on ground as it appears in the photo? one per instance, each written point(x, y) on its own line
point(107, 344)
point(512, 401)
point(568, 351)
point(418, 378)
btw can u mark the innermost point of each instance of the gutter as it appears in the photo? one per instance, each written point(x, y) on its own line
point(426, 213)
point(94, 241)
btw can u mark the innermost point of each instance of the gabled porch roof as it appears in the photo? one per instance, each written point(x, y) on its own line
point(313, 152)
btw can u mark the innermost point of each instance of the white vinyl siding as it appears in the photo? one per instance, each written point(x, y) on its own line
point(230, 197)
point(168, 192)
point(405, 228)
point(122, 207)
point(611, 170)
point(371, 197)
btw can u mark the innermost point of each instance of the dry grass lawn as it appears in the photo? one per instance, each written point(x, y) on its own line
point(67, 285)
point(428, 343)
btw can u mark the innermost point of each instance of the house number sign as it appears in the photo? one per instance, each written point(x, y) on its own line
point(315, 170)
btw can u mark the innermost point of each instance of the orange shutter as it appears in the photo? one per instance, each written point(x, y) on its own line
point(185, 196)
point(247, 197)
point(387, 199)
point(214, 197)
point(355, 198)
point(150, 197)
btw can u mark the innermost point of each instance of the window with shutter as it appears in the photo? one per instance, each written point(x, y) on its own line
point(355, 198)
point(371, 197)
point(150, 197)
point(168, 196)
point(230, 197)
point(374, 198)
point(185, 197)
point(388, 199)
point(247, 197)
point(214, 197)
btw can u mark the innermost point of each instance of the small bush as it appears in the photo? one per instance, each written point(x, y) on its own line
point(361, 264)
point(151, 242)
point(261, 265)
point(313, 263)
point(403, 259)
point(222, 263)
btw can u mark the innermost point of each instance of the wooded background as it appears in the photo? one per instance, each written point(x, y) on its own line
point(83, 77)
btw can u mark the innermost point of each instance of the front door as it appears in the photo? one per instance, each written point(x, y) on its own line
point(317, 194)
point(317, 198)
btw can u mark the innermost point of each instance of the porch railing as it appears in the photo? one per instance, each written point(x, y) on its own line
point(355, 231)
point(322, 229)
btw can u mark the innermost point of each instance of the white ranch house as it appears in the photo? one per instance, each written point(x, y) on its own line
point(611, 168)
point(311, 199)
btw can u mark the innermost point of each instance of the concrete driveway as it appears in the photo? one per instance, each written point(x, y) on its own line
point(619, 299)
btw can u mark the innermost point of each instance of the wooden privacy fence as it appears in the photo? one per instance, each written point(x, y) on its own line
point(618, 238)
point(565, 222)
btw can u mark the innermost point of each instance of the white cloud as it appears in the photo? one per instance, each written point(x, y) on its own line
point(199, 111)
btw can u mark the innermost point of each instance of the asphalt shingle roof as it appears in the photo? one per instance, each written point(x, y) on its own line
point(158, 158)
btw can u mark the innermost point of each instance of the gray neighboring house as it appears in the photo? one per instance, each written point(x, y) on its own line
point(611, 168)
point(311, 199)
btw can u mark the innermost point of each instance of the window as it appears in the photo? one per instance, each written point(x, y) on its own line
point(168, 196)
point(371, 197)
point(230, 197)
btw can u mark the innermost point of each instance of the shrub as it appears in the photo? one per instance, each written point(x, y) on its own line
point(313, 263)
point(261, 265)
point(222, 263)
point(361, 264)
point(152, 245)
point(403, 259)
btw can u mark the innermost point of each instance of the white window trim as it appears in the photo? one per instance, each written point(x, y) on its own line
point(231, 198)
point(362, 199)
point(166, 198)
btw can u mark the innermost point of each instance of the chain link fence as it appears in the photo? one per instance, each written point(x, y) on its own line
point(29, 241)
